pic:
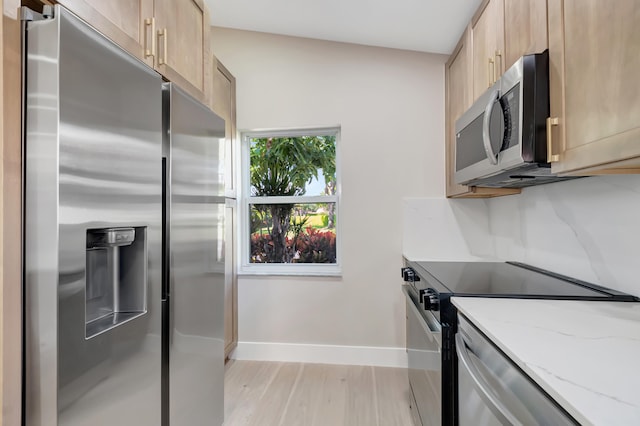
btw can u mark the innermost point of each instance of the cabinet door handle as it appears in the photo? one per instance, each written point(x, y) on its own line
point(551, 157)
point(149, 22)
point(498, 66)
point(491, 69)
point(162, 60)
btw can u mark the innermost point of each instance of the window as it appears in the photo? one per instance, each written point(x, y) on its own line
point(290, 202)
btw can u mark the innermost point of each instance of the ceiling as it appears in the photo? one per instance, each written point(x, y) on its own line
point(421, 25)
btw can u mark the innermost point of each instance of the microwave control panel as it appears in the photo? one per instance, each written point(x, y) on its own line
point(510, 102)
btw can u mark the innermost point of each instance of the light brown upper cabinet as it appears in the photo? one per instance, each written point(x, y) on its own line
point(457, 100)
point(487, 41)
point(223, 103)
point(458, 84)
point(183, 36)
point(594, 63)
point(170, 35)
point(525, 29)
point(123, 21)
point(501, 32)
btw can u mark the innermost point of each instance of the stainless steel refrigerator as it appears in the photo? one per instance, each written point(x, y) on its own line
point(124, 228)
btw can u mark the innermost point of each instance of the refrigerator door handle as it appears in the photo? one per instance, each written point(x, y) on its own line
point(165, 231)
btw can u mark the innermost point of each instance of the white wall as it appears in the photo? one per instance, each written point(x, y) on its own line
point(390, 106)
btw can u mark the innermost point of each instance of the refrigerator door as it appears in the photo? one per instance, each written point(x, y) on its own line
point(194, 149)
point(93, 230)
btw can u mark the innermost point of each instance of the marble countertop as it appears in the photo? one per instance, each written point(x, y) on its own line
point(460, 258)
point(463, 258)
point(586, 355)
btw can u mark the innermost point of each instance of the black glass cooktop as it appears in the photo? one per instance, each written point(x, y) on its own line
point(505, 279)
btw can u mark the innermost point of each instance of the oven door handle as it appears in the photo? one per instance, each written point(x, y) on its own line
point(431, 328)
point(493, 403)
point(486, 134)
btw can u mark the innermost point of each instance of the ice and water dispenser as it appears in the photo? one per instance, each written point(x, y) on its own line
point(116, 277)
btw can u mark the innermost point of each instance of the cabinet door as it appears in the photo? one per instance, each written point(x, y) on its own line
point(594, 68)
point(223, 101)
point(487, 36)
point(458, 78)
point(123, 21)
point(230, 281)
point(525, 29)
point(457, 100)
point(183, 38)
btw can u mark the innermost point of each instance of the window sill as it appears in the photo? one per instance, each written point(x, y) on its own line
point(298, 270)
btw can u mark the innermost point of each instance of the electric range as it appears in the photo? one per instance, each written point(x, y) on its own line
point(432, 319)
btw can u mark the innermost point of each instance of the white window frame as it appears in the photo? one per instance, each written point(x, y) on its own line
point(304, 269)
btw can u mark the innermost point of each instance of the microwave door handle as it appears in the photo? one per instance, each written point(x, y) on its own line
point(486, 136)
point(494, 404)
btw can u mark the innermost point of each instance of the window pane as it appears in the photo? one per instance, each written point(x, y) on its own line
point(291, 166)
point(292, 233)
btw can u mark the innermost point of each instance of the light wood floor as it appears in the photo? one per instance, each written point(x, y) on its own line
point(289, 394)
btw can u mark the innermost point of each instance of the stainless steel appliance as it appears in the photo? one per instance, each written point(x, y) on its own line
point(429, 288)
point(424, 351)
point(501, 141)
point(493, 391)
point(193, 332)
point(124, 258)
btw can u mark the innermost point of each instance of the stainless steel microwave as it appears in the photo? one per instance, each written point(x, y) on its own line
point(501, 141)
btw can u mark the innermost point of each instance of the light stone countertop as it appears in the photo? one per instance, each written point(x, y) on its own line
point(586, 355)
point(468, 258)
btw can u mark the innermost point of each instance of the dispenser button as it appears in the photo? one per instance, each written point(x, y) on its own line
point(110, 237)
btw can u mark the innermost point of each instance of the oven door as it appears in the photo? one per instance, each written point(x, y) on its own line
point(424, 343)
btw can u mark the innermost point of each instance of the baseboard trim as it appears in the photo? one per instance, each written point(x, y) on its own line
point(321, 354)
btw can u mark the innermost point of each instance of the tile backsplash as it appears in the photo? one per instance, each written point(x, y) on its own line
point(438, 229)
point(586, 228)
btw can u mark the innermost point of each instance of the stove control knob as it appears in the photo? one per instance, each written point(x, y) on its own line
point(403, 273)
point(431, 301)
point(409, 275)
